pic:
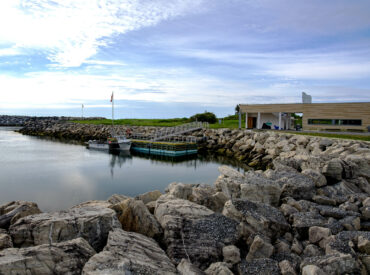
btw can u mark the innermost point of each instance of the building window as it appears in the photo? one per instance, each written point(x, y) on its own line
point(340, 122)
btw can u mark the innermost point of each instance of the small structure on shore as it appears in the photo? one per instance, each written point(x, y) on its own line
point(354, 117)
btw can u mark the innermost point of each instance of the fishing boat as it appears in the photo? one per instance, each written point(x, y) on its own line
point(117, 141)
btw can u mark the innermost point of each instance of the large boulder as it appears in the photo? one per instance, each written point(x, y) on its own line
point(149, 196)
point(257, 188)
point(91, 223)
point(261, 217)
point(13, 211)
point(229, 182)
point(209, 197)
point(135, 216)
point(334, 264)
point(293, 183)
point(218, 268)
point(187, 268)
point(5, 240)
point(59, 258)
point(333, 170)
point(192, 231)
point(129, 253)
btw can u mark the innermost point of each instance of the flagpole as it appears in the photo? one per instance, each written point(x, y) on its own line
point(112, 111)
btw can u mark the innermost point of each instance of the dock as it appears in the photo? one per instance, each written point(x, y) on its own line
point(171, 141)
point(172, 149)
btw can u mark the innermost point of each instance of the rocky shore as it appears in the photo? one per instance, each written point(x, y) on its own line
point(23, 120)
point(278, 221)
point(305, 209)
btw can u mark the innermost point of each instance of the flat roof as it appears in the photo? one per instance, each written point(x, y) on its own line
point(297, 107)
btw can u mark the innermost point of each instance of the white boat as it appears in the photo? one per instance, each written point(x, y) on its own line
point(117, 141)
point(120, 143)
point(98, 145)
point(124, 143)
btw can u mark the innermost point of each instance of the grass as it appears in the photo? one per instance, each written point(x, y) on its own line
point(226, 123)
point(138, 122)
point(158, 122)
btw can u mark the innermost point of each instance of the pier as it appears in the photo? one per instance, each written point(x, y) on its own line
point(171, 141)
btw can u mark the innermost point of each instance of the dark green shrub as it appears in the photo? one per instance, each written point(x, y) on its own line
point(204, 117)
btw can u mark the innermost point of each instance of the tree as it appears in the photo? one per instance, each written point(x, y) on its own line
point(237, 109)
point(204, 117)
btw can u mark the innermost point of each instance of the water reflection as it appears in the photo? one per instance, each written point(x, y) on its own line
point(59, 175)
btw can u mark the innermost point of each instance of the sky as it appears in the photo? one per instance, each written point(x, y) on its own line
point(176, 58)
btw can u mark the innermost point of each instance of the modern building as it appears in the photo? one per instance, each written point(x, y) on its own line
point(315, 116)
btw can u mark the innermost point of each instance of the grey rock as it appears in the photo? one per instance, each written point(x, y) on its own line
point(312, 270)
point(229, 186)
point(90, 223)
point(209, 197)
point(15, 210)
point(297, 247)
point(149, 196)
point(231, 254)
point(286, 268)
point(93, 203)
point(318, 178)
point(365, 259)
point(312, 250)
point(259, 267)
point(179, 190)
point(363, 245)
point(257, 188)
point(134, 216)
point(194, 232)
point(333, 170)
point(324, 143)
point(293, 183)
point(324, 200)
point(334, 264)
point(261, 217)
point(129, 253)
point(5, 240)
point(317, 234)
point(116, 198)
point(260, 248)
point(218, 268)
point(60, 258)
point(344, 241)
point(187, 268)
point(302, 221)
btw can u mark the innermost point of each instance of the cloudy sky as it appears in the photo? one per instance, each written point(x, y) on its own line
point(174, 58)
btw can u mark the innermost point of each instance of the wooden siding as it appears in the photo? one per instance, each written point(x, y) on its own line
point(359, 110)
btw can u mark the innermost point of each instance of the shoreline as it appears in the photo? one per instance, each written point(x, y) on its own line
point(305, 208)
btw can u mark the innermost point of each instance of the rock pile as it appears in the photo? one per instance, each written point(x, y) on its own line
point(306, 212)
point(23, 120)
point(278, 221)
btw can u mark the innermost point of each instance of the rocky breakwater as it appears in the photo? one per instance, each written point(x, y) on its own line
point(78, 132)
point(259, 149)
point(278, 221)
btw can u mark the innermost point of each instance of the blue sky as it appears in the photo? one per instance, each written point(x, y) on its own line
point(175, 58)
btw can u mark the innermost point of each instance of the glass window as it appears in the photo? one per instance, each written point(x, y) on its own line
point(347, 122)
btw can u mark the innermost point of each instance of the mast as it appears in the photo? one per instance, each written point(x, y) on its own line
point(112, 100)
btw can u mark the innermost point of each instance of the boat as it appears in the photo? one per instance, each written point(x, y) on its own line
point(117, 141)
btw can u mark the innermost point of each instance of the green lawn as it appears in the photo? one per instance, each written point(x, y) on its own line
point(227, 123)
point(158, 122)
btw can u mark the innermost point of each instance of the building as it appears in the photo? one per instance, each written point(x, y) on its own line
point(315, 116)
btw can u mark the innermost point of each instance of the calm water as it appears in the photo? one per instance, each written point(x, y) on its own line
point(59, 175)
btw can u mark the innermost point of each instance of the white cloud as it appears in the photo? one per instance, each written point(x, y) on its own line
point(71, 31)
